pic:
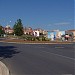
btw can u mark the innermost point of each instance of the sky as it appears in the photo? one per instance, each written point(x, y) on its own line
point(45, 14)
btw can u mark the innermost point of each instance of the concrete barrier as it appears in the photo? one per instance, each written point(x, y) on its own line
point(3, 69)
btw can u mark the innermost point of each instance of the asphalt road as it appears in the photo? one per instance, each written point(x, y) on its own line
point(38, 59)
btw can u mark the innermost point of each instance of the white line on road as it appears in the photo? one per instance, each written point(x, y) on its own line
point(60, 55)
point(47, 52)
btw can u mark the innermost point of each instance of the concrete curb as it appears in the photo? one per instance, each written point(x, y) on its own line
point(39, 42)
point(3, 69)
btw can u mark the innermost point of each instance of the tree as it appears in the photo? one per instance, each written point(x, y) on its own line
point(1, 30)
point(18, 28)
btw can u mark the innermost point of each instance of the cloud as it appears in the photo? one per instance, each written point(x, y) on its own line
point(59, 24)
point(62, 23)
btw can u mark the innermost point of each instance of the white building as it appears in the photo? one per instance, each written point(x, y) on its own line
point(36, 33)
point(52, 36)
point(59, 34)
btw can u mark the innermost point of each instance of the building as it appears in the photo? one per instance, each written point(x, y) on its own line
point(45, 33)
point(36, 33)
point(59, 34)
point(8, 30)
point(71, 33)
point(55, 34)
point(41, 32)
point(28, 30)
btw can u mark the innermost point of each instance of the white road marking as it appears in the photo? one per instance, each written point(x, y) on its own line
point(45, 51)
point(60, 55)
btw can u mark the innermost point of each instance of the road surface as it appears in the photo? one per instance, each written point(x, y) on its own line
point(38, 59)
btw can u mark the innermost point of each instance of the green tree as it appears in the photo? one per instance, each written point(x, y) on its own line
point(1, 30)
point(18, 28)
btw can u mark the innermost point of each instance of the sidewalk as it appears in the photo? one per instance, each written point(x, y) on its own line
point(3, 69)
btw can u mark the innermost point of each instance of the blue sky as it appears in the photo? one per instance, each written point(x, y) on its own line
point(45, 14)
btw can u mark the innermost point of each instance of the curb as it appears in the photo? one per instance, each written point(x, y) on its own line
point(39, 42)
point(3, 69)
